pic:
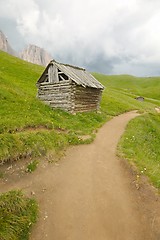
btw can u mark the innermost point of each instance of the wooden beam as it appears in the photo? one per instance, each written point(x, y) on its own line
point(62, 78)
point(53, 74)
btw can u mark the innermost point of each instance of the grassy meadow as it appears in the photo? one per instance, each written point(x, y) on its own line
point(138, 86)
point(140, 143)
point(29, 128)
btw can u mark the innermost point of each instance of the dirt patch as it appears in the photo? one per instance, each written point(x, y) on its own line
point(91, 194)
point(38, 128)
point(84, 137)
point(157, 109)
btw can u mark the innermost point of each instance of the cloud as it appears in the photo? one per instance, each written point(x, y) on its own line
point(117, 36)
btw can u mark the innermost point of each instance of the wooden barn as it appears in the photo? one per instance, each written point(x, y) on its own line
point(70, 88)
point(141, 99)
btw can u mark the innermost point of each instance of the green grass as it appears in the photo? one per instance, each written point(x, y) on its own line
point(146, 86)
point(140, 144)
point(20, 110)
point(53, 130)
point(115, 102)
point(30, 128)
point(32, 166)
point(17, 215)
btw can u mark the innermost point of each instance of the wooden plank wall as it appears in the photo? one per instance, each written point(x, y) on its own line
point(86, 99)
point(70, 97)
point(57, 95)
point(53, 74)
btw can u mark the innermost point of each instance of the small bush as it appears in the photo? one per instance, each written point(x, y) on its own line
point(17, 215)
point(32, 166)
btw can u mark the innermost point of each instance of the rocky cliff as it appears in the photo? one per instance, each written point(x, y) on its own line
point(31, 53)
point(36, 55)
point(5, 46)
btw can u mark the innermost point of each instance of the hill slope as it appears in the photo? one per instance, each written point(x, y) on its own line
point(140, 86)
point(30, 128)
point(140, 143)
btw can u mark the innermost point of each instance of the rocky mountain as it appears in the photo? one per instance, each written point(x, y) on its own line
point(36, 55)
point(31, 53)
point(5, 46)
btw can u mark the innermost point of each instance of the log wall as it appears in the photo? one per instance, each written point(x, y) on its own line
point(70, 97)
point(86, 99)
point(57, 95)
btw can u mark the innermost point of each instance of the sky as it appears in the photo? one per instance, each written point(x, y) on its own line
point(106, 36)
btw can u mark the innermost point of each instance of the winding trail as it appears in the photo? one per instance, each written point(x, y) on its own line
point(90, 195)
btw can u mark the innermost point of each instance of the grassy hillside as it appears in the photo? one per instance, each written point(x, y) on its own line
point(30, 128)
point(146, 86)
point(20, 111)
point(140, 143)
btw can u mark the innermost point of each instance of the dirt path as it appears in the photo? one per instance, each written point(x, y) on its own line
point(91, 195)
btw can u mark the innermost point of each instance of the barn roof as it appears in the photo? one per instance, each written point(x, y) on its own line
point(78, 75)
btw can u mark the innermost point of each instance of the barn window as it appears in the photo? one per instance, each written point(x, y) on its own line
point(62, 76)
point(46, 79)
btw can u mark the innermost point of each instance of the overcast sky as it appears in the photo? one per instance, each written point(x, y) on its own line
point(108, 36)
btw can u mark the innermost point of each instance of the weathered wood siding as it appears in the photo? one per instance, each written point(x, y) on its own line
point(86, 99)
point(53, 74)
point(69, 96)
point(70, 88)
point(57, 95)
